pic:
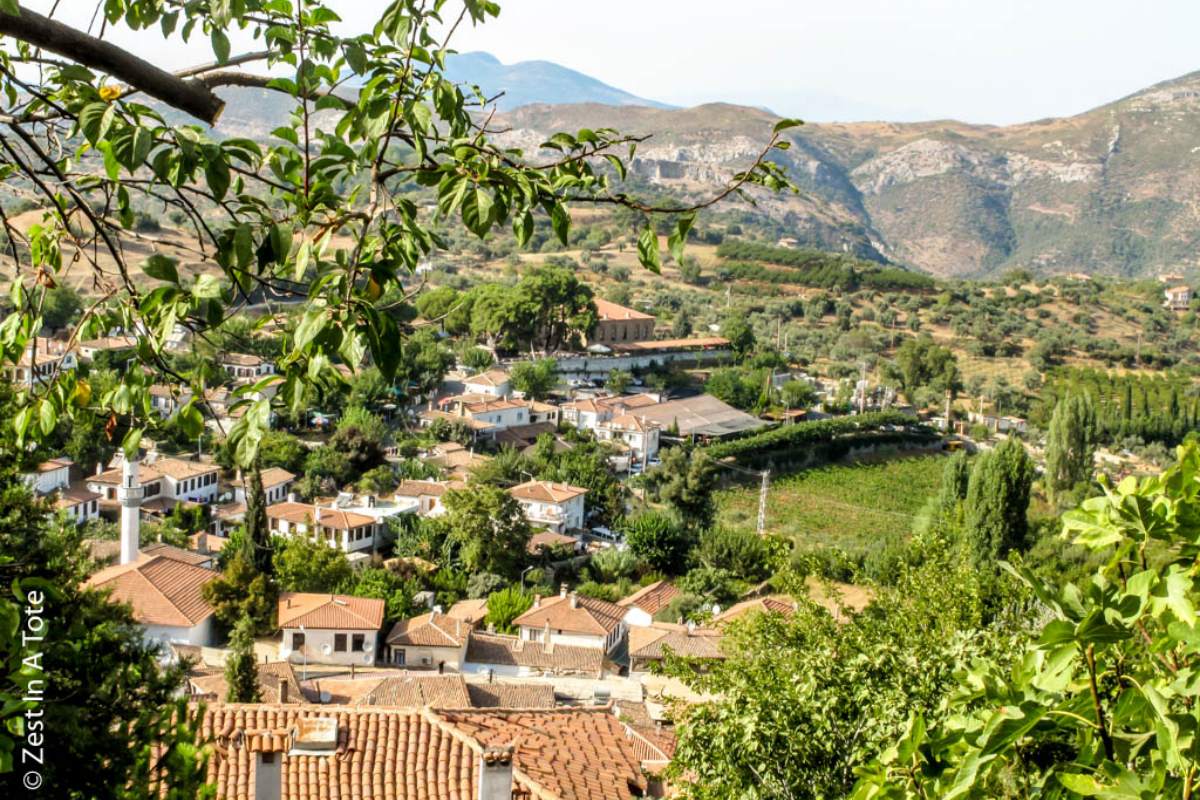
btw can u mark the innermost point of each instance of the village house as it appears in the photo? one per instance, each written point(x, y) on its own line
point(353, 533)
point(277, 484)
point(635, 433)
point(492, 382)
point(41, 358)
point(329, 628)
point(246, 367)
point(558, 507)
point(514, 656)
point(429, 641)
point(53, 478)
point(616, 323)
point(164, 590)
point(166, 481)
point(88, 350)
point(455, 458)
point(426, 494)
point(1178, 298)
point(277, 683)
point(649, 645)
point(573, 620)
point(484, 415)
point(166, 400)
point(641, 606)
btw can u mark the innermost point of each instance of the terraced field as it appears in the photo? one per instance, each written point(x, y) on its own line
point(856, 507)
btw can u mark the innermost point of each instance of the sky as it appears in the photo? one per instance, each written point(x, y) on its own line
point(997, 61)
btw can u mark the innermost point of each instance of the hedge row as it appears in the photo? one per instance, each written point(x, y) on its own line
point(806, 433)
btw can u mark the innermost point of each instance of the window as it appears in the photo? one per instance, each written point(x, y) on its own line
point(356, 642)
point(267, 757)
point(398, 657)
point(297, 641)
point(339, 642)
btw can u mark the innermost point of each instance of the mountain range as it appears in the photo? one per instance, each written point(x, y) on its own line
point(1114, 190)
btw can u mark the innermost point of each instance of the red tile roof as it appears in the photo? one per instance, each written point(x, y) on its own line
point(573, 614)
point(511, 695)
point(546, 491)
point(329, 611)
point(417, 691)
point(399, 754)
point(652, 598)
point(429, 630)
point(510, 651)
point(305, 514)
point(161, 590)
point(608, 310)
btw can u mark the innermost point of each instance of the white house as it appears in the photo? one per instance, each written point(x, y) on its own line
point(426, 494)
point(329, 628)
point(512, 656)
point(41, 358)
point(246, 367)
point(638, 434)
point(277, 483)
point(166, 400)
point(357, 530)
point(53, 477)
point(641, 606)
point(573, 621)
point(493, 382)
point(168, 480)
point(165, 594)
point(432, 641)
point(1178, 298)
point(559, 507)
point(91, 348)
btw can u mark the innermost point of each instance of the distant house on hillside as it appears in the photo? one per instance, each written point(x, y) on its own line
point(246, 366)
point(616, 323)
point(1178, 298)
point(494, 382)
point(558, 507)
point(573, 620)
point(165, 591)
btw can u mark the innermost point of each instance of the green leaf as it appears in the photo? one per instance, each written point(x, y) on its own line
point(190, 420)
point(131, 442)
point(1080, 784)
point(678, 237)
point(786, 123)
point(216, 172)
point(310, 326)
point(648, 250)
point(161, 267)
point(560, 221)
point(48, 417)
point(220, 45)
point(11, 7)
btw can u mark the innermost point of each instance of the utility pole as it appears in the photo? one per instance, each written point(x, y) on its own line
point(762, 502)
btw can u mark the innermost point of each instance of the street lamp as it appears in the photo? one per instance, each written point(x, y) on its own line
point(525, 572)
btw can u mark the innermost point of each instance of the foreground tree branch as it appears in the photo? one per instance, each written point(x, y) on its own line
point(190, 96)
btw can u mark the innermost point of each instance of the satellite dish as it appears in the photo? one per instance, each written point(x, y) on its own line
point(326, 649)
point(368, 647)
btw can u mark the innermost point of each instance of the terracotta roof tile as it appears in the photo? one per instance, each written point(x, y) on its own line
point(329, 611)
point(561, 754)
point(429, 630)
point(159, 589)
point(608, 310)
point(209, 684)
point(574, 614)
point(510, 651)
point(511, 695)
point(653, 642)
point(546, 491)
point(417, 691)
point(652, 598)
point(306, 514)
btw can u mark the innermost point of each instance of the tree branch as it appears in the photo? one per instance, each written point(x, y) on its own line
point(189, 96)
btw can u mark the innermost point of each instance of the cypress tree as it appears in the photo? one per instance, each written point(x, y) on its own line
point(956, 476)
point(1070, 443)
point(998, 503)
point(241, 674)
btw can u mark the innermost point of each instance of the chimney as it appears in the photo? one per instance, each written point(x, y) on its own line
point(496, 773)
point(691, 626)
point(562, 590)
point(291, 497)
point(537, 601)
point(574, 600)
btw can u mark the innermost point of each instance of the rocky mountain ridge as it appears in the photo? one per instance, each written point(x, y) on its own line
point(1115, 190)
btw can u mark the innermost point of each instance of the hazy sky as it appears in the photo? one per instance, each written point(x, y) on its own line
point(978, 60)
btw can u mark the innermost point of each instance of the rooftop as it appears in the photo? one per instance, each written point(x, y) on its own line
point(652, 598)
point(654, 641)
point(418, 691)
point(160, 590)
point(574, 614)
point(546, 491)
point(608, 310)
point(702, 415)
point(510, 651)
point(511, 695)
point(329, 611)
point(429, 630)
point(305, 514)
point(491, 377)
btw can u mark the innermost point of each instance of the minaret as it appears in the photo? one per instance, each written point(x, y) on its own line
point(130, 494)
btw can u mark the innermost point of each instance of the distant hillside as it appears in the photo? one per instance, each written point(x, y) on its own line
point(1115, 190)
point(535, 82)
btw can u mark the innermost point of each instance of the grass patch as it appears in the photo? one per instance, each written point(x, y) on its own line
point(855, 507)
